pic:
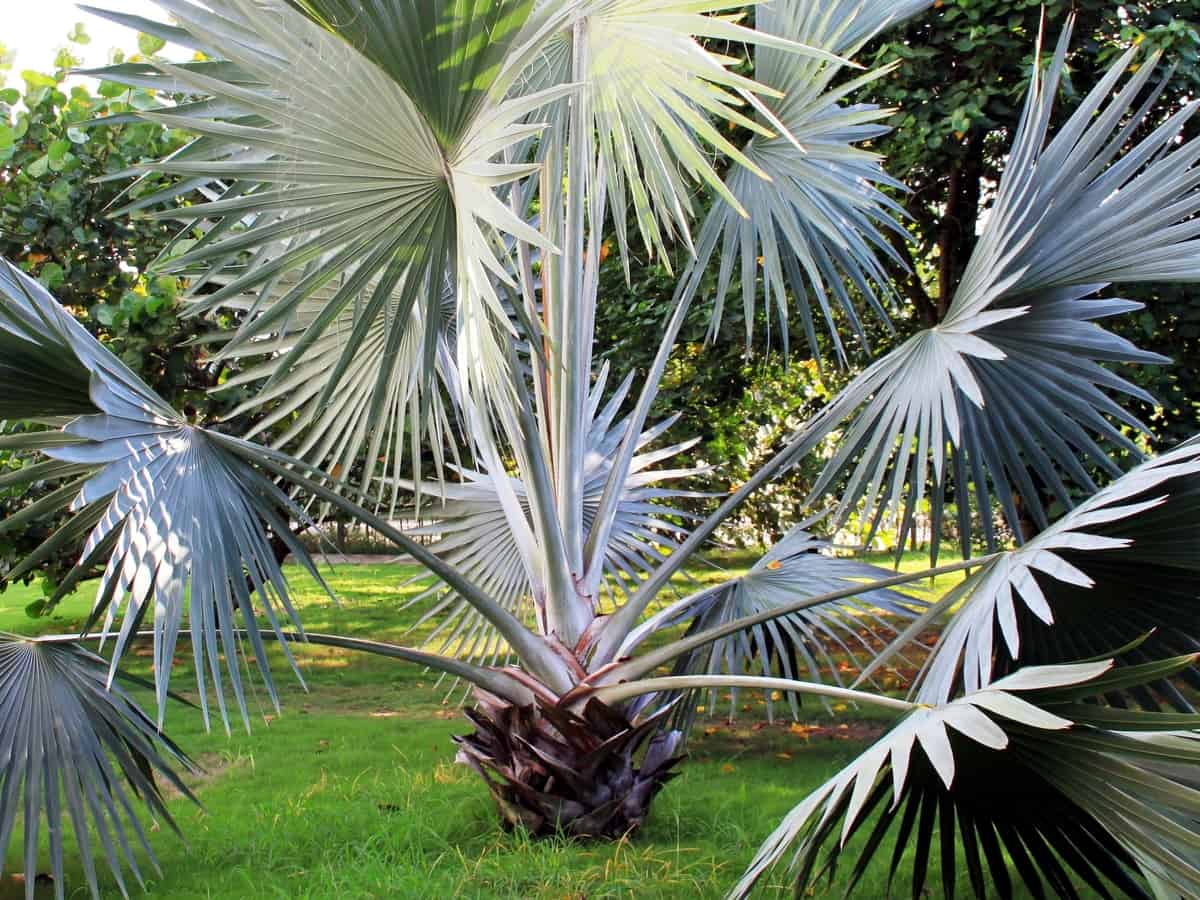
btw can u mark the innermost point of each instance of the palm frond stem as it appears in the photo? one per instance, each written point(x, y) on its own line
point(531, 649)
point(627, 690)
point(491, 680)
point(642, 665)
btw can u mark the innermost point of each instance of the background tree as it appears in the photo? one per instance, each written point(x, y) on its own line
point(739, 398)
point(62, 178)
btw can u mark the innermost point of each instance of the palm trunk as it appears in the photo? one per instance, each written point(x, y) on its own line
point(552, 771)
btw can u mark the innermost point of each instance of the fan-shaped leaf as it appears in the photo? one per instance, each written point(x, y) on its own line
point(1010, 396)
point(322, 169)
point(1120, 566)
point(377, 409)
point(654, 91)
point(446, 56)
point(797, 644)
point(816, 222)
point(1065, 797)
point(181, 520)
point(73, 748)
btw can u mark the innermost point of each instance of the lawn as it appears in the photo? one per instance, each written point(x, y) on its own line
point(353, 790)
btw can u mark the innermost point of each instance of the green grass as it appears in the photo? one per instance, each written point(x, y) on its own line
point(353, 791)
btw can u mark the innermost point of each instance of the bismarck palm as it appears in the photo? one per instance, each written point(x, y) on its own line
point(404, 205)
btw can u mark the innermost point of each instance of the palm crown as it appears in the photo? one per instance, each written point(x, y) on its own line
point(405, 204)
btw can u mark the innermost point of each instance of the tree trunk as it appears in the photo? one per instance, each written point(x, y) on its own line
point(279, 546)
point(956, 237)
point(949, 237)
point(910, 280)
point(552, 771)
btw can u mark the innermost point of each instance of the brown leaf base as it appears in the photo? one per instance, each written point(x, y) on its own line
point(555, 772)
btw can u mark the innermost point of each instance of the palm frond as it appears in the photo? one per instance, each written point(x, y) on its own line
point(322, 167)
point(1120, 567)
point(380, 411)
point(471, 528)
point(449, 57)
point(653, 91)
point(796, 644)
point(1010, 398)
point(178, 520)
point(40, 370)
point(816, 222)
point(846, 23)
point(73, 744)
point(1031, 783)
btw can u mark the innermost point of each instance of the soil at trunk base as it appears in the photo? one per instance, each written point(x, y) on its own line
point(556, 772)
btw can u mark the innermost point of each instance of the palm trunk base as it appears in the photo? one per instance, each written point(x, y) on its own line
point(552, 771)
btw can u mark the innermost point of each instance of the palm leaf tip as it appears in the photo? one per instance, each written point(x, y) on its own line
point(358, 389)
point(70, 743)
point(1023, 768)
point(808, 211)
point(654, 93)
point(39, 377)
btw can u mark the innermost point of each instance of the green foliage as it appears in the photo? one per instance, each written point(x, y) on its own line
point(55, 223)
point(741, 400)
point(777, 399)
point(963, 73)
point(1169, 325)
